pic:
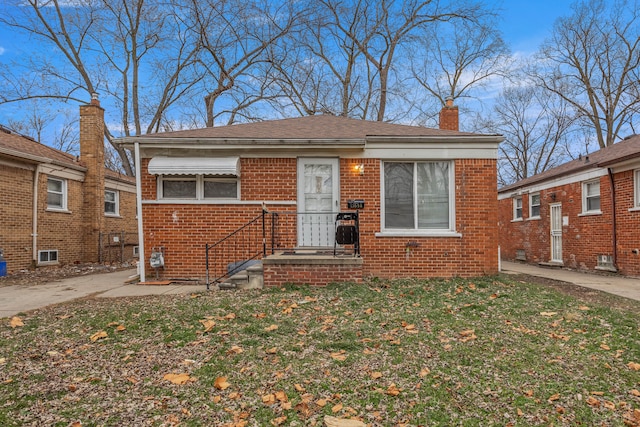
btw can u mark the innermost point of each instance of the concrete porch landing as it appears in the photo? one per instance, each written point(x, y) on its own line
point(311, 269)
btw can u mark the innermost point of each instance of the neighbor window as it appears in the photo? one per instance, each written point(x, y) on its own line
point(417, 195)
point(591, 196)
point(517, 208)
point(534, 205)
point(111, 202)
point(197, 187)
point(48, 256)
point(56, 193)
point(637, 188)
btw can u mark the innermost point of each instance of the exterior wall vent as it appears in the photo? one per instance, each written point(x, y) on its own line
point(521, 255)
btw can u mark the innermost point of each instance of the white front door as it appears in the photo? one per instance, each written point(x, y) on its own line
point(556, 232)
point(317, 201)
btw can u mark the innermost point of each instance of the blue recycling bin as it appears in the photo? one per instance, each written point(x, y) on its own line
point(3, 265)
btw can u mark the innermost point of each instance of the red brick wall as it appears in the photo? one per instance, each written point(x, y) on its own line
point(183, 229)
point(627, 225)
point(585, 237)
point(314, 275)
point(16, 215)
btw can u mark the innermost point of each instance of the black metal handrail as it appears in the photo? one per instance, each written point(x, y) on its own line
point(243, 245)
point(288, 231)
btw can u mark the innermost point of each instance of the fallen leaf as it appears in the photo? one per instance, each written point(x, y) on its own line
point(330, 421)
point(369, 311)
point(337, 408)
point(3, 360)
point(609, 405)
point(208, 324)
point(548, 313)
point(376, 375)
point(635, 392)
point(177, 378)
point(424, 372)
point(120, 328)
point(554, 397)
point(271, 350)
point(634, 366)
point(339, 355)
point(221, 383)
point(230, 316)
point(271, 328)
point(278, 421)
point(15, 322)
point(605, 347)
point(98, 335)
point(281, 396)
point(393, 390)
point(321, 402)
point(592, 401)
point(235, 350)
point(520, 413)
point(216, 399)
point(583, 308)
point(268, 399)
point(75, 424)
point(298, 388)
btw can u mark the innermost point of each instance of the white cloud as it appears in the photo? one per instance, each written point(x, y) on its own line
point(2, 50)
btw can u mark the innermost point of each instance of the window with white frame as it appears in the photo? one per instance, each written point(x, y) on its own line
point(534, 205)
point(591, 196)
point(111, 202)
point(417, 196)
point(197, 187)
point(636, 175)
point(517, 208)
point(56, 193)
point(49, 256)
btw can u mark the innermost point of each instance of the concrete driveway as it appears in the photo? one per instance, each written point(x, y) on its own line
point(17, 299)
point(627, 287)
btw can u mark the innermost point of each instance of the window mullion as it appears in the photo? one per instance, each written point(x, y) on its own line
point(415, 195)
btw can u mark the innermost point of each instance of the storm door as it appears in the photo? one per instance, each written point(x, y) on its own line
point(317, 201)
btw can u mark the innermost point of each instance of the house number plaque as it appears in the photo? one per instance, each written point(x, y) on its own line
point(355, 204)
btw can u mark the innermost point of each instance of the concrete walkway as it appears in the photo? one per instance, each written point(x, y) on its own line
point(627, 287)
point(17, 299)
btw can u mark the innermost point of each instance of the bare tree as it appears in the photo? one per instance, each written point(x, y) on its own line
point(537, 130)
point(592, 62)
point(103, 46)
point(235, 36)
point(388, 25)
point(458, 59)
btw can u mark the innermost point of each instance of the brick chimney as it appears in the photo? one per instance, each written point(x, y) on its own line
point(449, 116)
point(92, 156)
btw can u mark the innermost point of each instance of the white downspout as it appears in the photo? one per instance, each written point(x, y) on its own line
point(34, 232)
point(141, 258)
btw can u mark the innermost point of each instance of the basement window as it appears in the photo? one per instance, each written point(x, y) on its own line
point(48, 257)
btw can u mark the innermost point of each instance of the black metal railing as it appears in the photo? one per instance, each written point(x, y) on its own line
point(232, 253)
point(267, 233)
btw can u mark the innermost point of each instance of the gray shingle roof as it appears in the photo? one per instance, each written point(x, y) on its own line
point(306, 128)
point(628, 148)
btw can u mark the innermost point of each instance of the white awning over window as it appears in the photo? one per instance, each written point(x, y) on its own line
point(195, 166)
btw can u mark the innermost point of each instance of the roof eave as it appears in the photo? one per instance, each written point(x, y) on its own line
point(32, 158)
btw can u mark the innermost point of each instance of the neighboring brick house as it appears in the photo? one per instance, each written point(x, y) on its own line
point(584, 214)
point(430, 206)
point(62, 209)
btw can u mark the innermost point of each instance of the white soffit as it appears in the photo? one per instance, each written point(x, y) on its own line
point(195, 166)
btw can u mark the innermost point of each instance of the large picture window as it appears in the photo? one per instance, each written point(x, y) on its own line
point(417, 196)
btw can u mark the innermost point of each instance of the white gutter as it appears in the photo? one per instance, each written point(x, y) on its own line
point(34, 232)
point(141, 258)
